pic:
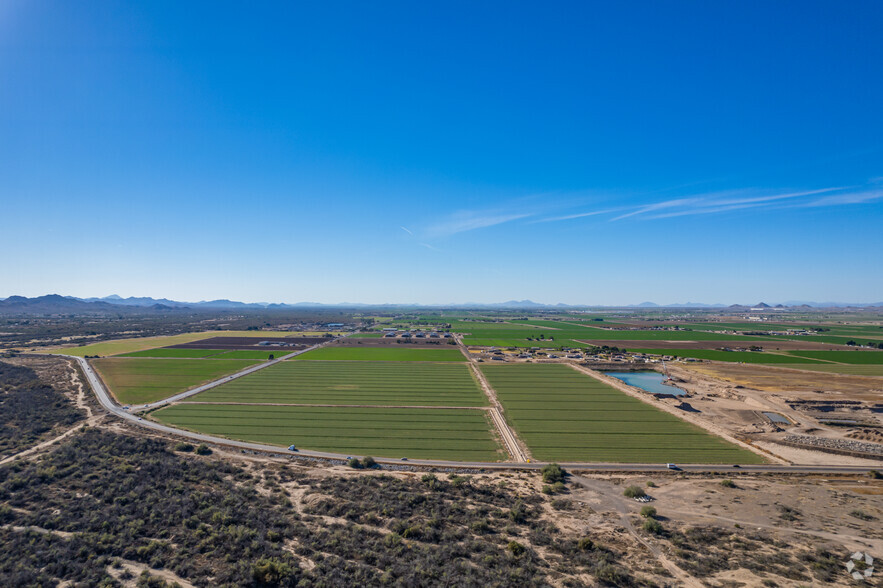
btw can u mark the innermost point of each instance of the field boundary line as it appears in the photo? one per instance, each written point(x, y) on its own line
point(510, 440)
point(642, 396)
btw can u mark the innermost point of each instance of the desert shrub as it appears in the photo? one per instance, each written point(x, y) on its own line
point(860, 514)
point(354, 463)
point(270, 571)
point(788, 513)
point(648, 512)
point(368, 462)
point(653, 526)
point(728, 484)
point(515, 548)
point(634, 492)
point(203, 449)
point(553, 473)
point(184, 447)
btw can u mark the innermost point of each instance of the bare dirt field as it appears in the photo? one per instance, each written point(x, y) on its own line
point(826, 419)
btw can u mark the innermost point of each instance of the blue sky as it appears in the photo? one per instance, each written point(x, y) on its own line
point(583, 153)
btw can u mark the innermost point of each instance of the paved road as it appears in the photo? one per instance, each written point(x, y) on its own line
point(107, 402)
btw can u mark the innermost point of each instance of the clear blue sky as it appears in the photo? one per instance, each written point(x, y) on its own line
point(599, 153)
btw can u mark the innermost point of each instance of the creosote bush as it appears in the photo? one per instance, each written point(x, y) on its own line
point(634, 492)
point(648, 512)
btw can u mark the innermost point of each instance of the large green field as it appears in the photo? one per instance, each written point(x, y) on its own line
point(354, 382)
point(731, 356)
point(462, 435)
point(563, 415)
point(526, 333)
point(391, 353)
point(135, 380)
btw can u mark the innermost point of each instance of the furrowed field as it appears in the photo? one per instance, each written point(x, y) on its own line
point(563, 415)
point(140, 380)
point(524, 333)
point(344, 382)
point(462, 435)
point(382, 354)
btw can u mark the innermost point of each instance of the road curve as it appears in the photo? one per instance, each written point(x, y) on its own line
point(107, 402)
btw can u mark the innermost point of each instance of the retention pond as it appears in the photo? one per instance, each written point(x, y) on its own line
point(651, 382)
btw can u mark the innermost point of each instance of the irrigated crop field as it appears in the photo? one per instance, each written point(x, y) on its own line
point(462, 435)
point(356, 353)
point(543, 333)
point(564, 415)
point(354, 382)
point(357, 407)
point(136, 380)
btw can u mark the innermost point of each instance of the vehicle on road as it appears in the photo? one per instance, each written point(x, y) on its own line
point(672, 466)
point(292, 448)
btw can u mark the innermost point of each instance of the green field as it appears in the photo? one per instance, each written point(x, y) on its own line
point(462, 435)
point(563, 415)
point(557, 334)
point(140, 380)
point(849, 357)
point(382, 354)
point(354, 382)
point(731, 356)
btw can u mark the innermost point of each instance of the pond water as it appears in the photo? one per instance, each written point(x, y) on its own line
point(777, 418)
point(647, 381)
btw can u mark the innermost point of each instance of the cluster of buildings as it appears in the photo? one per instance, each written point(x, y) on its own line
point(391, 332)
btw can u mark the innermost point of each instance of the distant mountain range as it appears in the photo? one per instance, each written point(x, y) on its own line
point(56, 304)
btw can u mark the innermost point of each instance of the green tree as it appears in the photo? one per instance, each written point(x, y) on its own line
point(553, 473)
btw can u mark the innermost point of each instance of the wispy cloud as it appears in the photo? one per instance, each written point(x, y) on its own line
point(407, 230)
point(470, 220)
point(577, 215)
point(430, 247)
point(730, 200)
point(848, 198)
point(734, 200)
